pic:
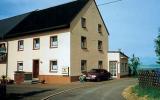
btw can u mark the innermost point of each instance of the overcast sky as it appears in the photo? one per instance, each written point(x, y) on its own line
point(132, 24)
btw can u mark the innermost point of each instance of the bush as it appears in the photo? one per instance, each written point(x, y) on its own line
point(152, 93)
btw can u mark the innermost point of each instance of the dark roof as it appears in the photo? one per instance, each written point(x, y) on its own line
point(42, 20)
point(118, 52)
point(8, 24)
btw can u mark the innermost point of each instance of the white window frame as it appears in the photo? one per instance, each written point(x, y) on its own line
point(19, 68)
point(36, 45)
point(53, 43)
point(53, 68)
point(20, 46)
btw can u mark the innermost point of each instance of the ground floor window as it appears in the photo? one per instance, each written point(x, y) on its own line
point(83, 65)
point(53, 66)
point(100, 64)
point(20, 66)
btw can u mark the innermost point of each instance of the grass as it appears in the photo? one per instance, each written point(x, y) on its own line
point(152, 93)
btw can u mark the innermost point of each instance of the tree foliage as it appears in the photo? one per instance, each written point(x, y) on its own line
point(157, 47)
point(133, 64)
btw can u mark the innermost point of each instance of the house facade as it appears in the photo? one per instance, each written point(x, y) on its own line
point(118, 64)
point(58, 48)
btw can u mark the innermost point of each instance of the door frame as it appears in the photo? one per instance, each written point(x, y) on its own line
point(33, 67)
point(116, 63)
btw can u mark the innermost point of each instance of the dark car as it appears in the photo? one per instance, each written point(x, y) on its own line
point(98, 75)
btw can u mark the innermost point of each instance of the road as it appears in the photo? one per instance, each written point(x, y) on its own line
point(107, 90)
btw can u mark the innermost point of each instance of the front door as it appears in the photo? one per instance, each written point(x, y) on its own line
point(35, 68)
point(112, 68)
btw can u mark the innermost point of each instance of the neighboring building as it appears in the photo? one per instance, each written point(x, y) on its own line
point(118, 64)
point(55, 44)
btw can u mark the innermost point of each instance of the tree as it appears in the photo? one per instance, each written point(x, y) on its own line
point(157, 47)
point(133, 64)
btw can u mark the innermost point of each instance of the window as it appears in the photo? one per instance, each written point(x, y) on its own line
point(83, 42)
point(53, 66)
point(83, 65)
point(122, 67)
point(53, 41)
point(100, 64)
point(20, 45)
point(19, 66)
point(100, 46)
point(83, 22)
point(126, 67)
point(99, 28)
point(36, 43)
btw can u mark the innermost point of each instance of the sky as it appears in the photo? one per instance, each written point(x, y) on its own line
point(132, 24)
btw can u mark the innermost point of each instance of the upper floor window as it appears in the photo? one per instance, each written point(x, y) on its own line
point(19, 66)
point(36, 43)
point(100, 45)
point(83, 42)
point(2, 48)
point(83, 65)
point(20, 45)
point(99, 28)
point(53, 66)
point(53, 41)
point(100, 64)
point(83, 22)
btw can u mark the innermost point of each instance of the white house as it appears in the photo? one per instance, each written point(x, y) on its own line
point(117, 64)
point(55, 44)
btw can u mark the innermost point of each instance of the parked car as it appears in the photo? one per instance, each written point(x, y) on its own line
point(98, 75)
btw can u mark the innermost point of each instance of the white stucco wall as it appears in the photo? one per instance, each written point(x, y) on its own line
point(2, 69)
point(120, 59)
point(44, 54)
point(114, 57)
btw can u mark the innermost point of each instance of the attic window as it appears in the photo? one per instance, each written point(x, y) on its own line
point(99, 28)
point(83, 22)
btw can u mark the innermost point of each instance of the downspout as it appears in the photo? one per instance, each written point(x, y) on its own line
point(7, 56)
point(7, 61)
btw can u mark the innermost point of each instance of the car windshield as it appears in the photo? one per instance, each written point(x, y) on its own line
point(94, 70)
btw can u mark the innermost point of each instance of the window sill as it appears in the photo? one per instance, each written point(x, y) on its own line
point(54, 47)
point(36, 48)
point(54, 71)
point(84, 48)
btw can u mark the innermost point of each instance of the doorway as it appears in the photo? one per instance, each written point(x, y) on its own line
point(113, 68)
point(35, 68)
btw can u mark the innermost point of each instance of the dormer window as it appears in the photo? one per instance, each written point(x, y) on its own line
point(83, 22)
point(20, 45)
point(36, 43)
point(99, 28)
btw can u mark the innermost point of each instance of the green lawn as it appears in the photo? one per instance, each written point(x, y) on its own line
point(153, 93)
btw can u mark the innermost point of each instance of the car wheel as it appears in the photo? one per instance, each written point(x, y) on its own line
point(98, 79)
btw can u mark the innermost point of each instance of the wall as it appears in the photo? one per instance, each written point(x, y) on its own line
point(2, 69)
point(115, 57)
point(91, 54)
point(124, 60)
point(44, 54)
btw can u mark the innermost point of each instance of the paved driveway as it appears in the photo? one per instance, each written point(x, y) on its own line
point(110, 90)
point(106, 90)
